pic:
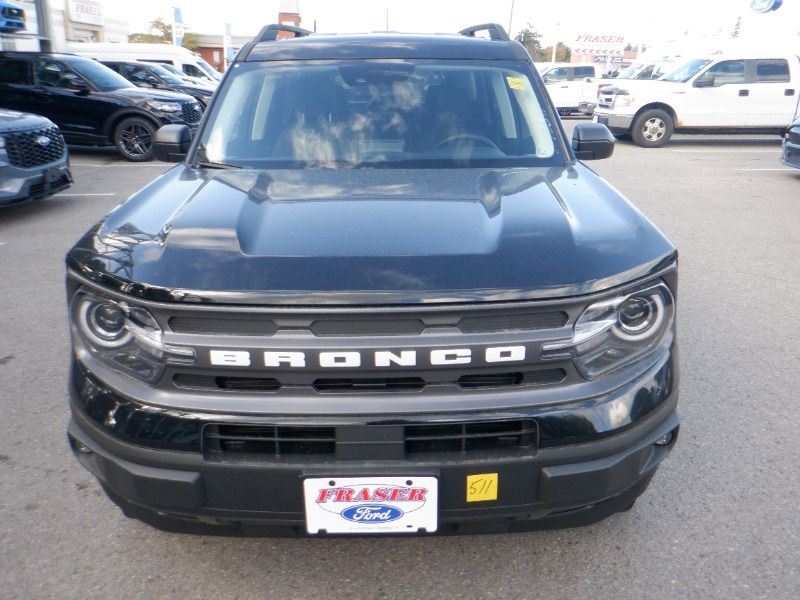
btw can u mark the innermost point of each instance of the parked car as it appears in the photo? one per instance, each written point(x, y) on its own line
point(717, 94)
point(91, 104)
point(34, 162)
point(12, 17)
point(791, 146)
point(379, 294)
point(640, 71)
point(569, 83)
point(156, 76)
point(186, 61)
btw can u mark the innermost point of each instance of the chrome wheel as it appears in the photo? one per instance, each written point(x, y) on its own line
point(654, 129)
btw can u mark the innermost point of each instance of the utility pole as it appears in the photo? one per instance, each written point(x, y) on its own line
point(43, 21)
point(387, 18)
point(510, 17)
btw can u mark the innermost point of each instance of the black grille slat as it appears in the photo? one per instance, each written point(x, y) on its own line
point(25, 149)
point(513, 322)
point(389, 384)
point(248, 442)
point(242, 384)
point(367, 327)
point(223, 326)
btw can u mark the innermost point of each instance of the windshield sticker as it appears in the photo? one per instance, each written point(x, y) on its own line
point(515, 83)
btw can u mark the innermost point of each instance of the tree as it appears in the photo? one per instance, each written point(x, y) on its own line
point(532, 40)
point(161, 33)
point(563, 53)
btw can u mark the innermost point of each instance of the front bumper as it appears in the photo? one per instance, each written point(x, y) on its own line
point(791, 154)
point(607, 456)
point(615, 122)
point(19, 186)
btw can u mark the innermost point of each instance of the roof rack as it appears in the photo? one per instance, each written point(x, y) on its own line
point(270, 32)
point(496, 31)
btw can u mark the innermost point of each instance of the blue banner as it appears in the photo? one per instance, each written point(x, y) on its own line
point(177, 26)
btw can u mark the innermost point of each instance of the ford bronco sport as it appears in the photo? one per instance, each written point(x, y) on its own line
point(379, 294)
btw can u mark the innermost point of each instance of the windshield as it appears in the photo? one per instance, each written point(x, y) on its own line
point(99, 75)
point(379, 114)
point(210, 71)
point(629, 72)
point(165, 74)
point(686, 70)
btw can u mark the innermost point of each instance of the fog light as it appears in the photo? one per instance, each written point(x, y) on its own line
point(664, 440)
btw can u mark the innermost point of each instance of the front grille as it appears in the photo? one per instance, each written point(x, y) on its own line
point(256, 324)
point(192, 112)
point(300, 443)
point(794, 136)
point(236, 384)
point(366, 384)
point(28, 149)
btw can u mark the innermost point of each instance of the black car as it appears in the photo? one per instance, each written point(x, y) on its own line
point(156, 76)
point(34, 162)
point(380, 294)
point(791, 146)
point(91, 104)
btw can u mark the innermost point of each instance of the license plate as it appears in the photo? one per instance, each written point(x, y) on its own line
point(371, 504)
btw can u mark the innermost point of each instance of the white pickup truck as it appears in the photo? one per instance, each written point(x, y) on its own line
point(569, 83)
point(646, 71)
point(719, 94)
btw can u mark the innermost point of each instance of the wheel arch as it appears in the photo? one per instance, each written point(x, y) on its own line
point(116, 118)
point(658, 106)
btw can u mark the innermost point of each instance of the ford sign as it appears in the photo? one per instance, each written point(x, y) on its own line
point(372, 513)
point(763, 6)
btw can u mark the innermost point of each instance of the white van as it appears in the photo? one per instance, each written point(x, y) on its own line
point(188, 62)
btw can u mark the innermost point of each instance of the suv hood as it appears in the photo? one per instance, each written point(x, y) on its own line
point(137, 93)
point(11, 120)
point(371, 236)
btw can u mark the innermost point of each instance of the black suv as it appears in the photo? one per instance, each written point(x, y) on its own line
point(381, 294)
point(156, 76)
point(91, 104)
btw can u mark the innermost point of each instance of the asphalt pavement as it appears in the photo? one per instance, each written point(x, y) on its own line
point(720, 520)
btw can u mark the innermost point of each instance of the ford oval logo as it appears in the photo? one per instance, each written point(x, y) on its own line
point(763, 6)
point(43, 140)
point(372, 513)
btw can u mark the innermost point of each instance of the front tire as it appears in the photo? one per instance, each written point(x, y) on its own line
point(652, 129)
point(134, 137)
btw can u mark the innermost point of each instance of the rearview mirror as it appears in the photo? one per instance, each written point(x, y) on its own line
point(172, 143)
point(592, 141)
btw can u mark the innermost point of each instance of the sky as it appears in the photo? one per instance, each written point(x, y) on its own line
point(646, 21)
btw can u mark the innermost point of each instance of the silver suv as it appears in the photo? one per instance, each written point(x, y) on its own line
point(34, 162)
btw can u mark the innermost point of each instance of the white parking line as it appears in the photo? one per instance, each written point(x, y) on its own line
point(775, 169)
point(738, 151)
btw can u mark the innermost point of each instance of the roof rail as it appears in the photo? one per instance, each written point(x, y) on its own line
point(496, 31)
point(270, 32)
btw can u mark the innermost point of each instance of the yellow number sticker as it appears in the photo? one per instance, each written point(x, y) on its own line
point(481, 488)
point(515, 83)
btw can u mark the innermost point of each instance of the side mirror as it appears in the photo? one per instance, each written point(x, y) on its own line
point(78, 85)
point(592, 141)
point(172, 143)
point(704, 81)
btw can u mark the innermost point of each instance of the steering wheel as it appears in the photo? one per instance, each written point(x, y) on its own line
point(482, 139)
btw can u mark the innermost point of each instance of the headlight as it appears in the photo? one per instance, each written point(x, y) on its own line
point(127, 338)
point(614, 333)
point(164, 106)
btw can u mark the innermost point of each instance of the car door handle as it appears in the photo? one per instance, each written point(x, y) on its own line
point(744, 92)
point(789, 92)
